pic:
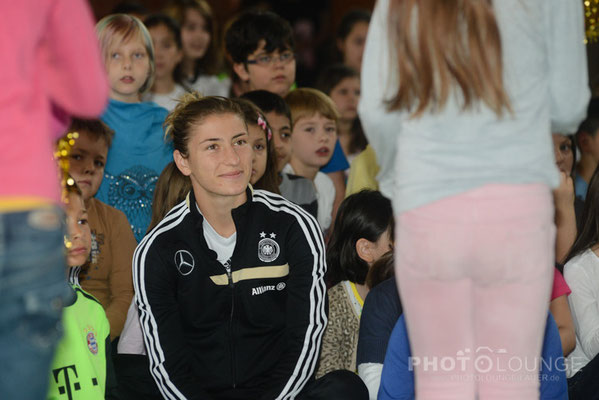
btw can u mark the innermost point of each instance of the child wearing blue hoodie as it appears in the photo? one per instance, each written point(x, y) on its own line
point(139, 152)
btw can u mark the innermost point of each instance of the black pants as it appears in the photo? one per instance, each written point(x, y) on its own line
point(336, 385)
point(584, 385)
point(136, 383)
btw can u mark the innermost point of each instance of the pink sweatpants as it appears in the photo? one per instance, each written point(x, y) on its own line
point(474, 274)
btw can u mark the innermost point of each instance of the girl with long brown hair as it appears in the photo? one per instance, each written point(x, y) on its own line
point(459, 98)
point(201, 66)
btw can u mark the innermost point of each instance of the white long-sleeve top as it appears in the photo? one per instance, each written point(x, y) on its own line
point(452, 151)
point(582, 275)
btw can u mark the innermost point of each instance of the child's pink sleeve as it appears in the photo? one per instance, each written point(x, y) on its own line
point(73, 69)
point(560, 287)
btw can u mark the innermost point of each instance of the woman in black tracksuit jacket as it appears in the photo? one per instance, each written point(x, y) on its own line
point(250, 326)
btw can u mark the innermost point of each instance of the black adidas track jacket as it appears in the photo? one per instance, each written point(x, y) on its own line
point(251, 333)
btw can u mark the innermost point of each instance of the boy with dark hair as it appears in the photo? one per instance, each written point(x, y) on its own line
point(261, 47)
point(109, 276)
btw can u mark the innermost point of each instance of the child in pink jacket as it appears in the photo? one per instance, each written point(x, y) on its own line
point(51, 69)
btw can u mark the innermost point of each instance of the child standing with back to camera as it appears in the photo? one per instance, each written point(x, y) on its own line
point(139, 152)
point(51, 69)
point(458, 102)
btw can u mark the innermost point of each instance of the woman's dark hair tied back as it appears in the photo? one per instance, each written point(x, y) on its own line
point(191, 110)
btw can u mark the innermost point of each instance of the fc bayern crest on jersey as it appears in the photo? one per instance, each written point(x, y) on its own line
point(268, 249)
point(92, 343)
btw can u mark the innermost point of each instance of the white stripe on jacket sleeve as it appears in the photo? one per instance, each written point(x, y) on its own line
point(146, 318)
point(308, 358)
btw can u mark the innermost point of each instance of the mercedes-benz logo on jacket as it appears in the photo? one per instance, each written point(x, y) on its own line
point(184, 262)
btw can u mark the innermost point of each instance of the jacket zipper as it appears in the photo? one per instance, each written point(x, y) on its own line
point(231, 343)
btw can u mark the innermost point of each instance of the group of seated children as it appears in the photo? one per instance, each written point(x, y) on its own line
point(203, 250)
point(260, 46)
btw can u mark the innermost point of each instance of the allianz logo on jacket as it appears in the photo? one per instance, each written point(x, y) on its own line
point(267, 288)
